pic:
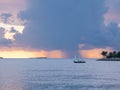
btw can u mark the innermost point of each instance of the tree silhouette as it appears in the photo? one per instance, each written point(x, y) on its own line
point(104, 53)
point(113, 54)
point(118, 55)
point(110, 55)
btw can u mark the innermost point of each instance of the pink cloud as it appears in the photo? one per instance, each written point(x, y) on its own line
point(12, 6)
point(113, 13)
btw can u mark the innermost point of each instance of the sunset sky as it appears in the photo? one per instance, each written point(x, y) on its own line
point(58, 28)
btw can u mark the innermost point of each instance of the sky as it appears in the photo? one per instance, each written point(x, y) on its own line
point(58, 28)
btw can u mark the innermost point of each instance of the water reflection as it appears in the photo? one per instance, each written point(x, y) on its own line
point(11, 86)
point(10, 76)
point(58, 75)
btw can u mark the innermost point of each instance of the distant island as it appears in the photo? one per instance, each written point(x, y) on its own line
point(1, 57)
point(110, 56)
point(39, 58)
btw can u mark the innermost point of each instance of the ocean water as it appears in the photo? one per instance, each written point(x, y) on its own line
point(59, 74)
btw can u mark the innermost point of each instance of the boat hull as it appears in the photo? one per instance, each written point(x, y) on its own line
point(79, 62)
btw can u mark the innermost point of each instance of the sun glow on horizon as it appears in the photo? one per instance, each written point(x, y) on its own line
point(93, 53)
point(32, 54)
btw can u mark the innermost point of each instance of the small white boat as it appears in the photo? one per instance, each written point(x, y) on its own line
point(78, 60)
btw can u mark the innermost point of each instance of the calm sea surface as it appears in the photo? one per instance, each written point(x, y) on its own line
point(58, 74)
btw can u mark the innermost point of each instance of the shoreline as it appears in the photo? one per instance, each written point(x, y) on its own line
point(109, 59)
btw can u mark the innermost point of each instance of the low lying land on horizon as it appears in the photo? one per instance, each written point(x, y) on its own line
point(109, 59)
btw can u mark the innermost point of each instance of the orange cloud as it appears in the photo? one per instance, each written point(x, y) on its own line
point(56, 54)
point(93, 53)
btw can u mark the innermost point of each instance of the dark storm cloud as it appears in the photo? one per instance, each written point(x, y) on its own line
point(63, 24)
point(112, 35)
point(5, 42)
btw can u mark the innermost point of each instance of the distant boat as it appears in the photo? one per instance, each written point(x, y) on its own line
point(78, 60)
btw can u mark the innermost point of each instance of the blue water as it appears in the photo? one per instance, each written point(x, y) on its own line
point(58, 74)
